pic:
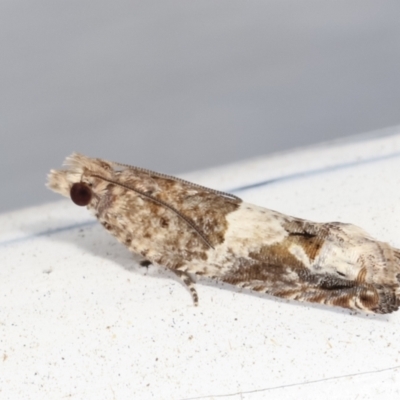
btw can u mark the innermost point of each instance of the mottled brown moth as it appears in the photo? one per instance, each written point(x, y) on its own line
point(191, 229)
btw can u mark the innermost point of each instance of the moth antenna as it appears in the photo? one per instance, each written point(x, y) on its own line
point(174, 178)
point(164, 204)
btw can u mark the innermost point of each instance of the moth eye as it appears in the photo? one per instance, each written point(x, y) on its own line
point(81, 194)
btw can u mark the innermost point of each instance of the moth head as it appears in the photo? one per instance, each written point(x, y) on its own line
point(61, 181)
point(79, 180)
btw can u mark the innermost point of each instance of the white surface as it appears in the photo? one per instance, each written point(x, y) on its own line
point(79, 319)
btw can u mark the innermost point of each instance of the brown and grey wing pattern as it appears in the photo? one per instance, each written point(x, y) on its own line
point(334, 264)
point(191, 229)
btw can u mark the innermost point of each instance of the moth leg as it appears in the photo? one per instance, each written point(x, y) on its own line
point(145, 263)
point(188, 282)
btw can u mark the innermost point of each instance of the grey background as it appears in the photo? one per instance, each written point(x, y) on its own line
point(182, 85)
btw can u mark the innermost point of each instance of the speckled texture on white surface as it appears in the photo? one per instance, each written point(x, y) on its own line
point(80, 319)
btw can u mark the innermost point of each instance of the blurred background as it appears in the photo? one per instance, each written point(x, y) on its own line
point(176, 86)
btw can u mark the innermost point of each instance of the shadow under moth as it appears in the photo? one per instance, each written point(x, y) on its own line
point(191, 229)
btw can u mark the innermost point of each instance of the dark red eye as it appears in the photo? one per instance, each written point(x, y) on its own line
point(81, 194)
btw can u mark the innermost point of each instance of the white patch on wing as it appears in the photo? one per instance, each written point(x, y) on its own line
point(342, 250)
point(300, 254)
point(249, 228)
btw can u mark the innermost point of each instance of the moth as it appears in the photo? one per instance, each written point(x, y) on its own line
point(194, 230)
